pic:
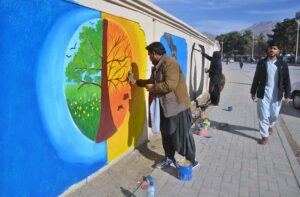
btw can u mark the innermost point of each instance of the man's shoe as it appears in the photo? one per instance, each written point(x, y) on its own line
point(195, 164)
point(264, 141)
point(164, 163)
point(270, 130)
point(175, 163)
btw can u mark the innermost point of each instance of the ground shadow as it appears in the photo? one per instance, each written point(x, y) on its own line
point(150, 154)
point(156, 157)
point(127, 193)
point(171, 171)
point(248, 84)
point(234, 129)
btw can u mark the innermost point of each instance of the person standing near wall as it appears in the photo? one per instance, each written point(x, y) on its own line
point(270, 83)
point(241, 63)
point(215, 74)
point(168, 83)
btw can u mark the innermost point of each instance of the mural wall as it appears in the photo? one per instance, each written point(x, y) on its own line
point(67, 109)
point(198, 81)
point(176, 47)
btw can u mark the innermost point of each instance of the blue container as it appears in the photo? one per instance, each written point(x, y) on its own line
point(185, 170)
point(151, 188)
point(229, 108)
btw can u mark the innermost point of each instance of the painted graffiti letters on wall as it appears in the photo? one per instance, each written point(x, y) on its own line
point(176, 47)
point(198, 81)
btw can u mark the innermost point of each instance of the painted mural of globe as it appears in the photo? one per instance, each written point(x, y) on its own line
point(97, 91)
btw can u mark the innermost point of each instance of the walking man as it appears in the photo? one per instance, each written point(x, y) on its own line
point(168, 83)
point(270, 83)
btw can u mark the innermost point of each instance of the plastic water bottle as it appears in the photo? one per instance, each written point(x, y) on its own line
point(151, 188)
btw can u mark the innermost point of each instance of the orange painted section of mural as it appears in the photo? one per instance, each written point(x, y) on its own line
point(125, 51)
point(118, 65)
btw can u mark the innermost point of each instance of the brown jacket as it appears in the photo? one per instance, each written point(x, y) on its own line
point(170, 86)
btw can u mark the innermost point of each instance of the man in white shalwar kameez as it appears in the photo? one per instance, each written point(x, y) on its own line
point(271, 79)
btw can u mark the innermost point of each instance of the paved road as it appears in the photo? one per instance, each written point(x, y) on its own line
point(289, 114)
point(232, 162)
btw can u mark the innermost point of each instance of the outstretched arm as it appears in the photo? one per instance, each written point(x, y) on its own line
point(143, 82)
point(138, 82)
point(205, 55)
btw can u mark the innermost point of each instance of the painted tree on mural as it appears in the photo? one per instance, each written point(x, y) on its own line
point(83, 74)
point(102, 61)
point(117, 58)
point(85, 69)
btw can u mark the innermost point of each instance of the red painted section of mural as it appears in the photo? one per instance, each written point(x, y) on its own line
point(116, 90)
point(107, 127)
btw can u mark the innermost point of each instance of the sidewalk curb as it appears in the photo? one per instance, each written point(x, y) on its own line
point(290, 155)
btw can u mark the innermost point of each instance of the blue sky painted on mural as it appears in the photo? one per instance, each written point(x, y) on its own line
point(61, 129)
point(73, 48)
point(218, 17)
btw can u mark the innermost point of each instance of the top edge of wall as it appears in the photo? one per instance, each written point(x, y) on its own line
point(151, 10)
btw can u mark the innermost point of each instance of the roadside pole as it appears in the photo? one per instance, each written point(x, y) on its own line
point(297, 42)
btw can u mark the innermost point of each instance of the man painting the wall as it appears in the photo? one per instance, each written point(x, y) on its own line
point(215, 75)
point(168, 83)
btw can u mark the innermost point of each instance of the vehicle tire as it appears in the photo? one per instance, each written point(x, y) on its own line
point(296, 100)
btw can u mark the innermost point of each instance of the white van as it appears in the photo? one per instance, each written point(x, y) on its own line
point(296, 94)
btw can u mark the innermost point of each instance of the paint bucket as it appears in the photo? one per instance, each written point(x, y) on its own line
point(200, 132)
point(229, 108)
point(185, 170)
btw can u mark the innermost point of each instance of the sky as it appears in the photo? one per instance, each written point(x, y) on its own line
point(223, 16)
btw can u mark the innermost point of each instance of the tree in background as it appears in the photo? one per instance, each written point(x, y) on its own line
point(241, 43)
point(285, 33)
point(246, 42)
point(236, 43)
point(231, 43)
point(261, 45)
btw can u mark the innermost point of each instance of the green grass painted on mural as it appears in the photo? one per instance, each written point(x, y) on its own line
point(84, 106)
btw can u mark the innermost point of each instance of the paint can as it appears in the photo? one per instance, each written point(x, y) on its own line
point(229, 108)
point(185, 170)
